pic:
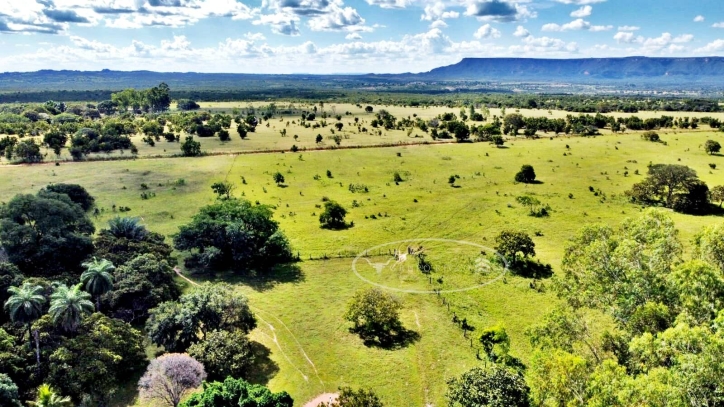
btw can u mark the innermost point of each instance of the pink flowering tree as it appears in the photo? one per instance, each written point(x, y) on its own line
point(169, 377)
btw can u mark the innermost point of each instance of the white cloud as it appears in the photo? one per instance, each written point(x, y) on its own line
point(714, 46)
point(625, 37)
point(284, 24)
point(486, 31)
point(584, 11)
point(438, 24)
point(545, 45)
point(521, 32)
point(353, 36)
point(437, 11)
point(576, 25)
point(339, 19)
point(665, 43)
point(628, 28)
point(390, 3)
point(718, 25)
point(56, 16)
point(699, 19)
point(254, 36)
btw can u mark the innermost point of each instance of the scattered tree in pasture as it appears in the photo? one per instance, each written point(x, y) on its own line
point(318, 139)
point(526, 174)
point(190, 148)
point(235, 234)
point(374, 313)
point(511, 243)
point(27, 151)
point(278, 178)
point(494, 386)
point(717, 194)
point(675, 186)
point(333, 216)
point(712, 147)
point(56, 140)
point(222, 189)
point(651, 136)
point(349, 397)
point(187, 104)
point(170, 377)
point(237, 392)
point(369, 109)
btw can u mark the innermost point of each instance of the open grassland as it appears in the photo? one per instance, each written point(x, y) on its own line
point(268, 135)
point(311, 350)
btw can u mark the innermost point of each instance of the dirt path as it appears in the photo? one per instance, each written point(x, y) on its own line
point(178, 272)
point(322, 398)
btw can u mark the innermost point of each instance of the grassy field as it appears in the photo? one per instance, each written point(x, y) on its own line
point(310, 348)
point(268, 135)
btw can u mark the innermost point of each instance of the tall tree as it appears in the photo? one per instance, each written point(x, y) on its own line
point(45, 235)
point(97, 279)
point(25, 304)
point(495, 386)
point(169, 377)
point(68, 306)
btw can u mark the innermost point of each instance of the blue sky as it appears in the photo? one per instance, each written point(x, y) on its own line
point(343, 36)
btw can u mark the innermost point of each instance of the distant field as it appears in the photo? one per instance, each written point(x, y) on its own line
point(268, 135)
point(306, 310)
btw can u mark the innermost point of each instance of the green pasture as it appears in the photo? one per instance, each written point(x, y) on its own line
point(309, 348)
point(268, 135)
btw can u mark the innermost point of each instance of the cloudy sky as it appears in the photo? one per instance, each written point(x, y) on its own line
point(343, 36)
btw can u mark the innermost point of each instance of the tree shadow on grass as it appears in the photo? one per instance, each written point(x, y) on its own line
point(395, 339)
point(263, 368)
point(530, 268)
point(258, 280)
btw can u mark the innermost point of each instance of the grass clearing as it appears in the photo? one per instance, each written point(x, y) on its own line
point(306, 309)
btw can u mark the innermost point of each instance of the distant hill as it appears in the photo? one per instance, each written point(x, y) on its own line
point(645, 69)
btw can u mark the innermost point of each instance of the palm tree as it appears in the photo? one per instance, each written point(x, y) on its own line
point(68, 305)
point(97, 278)
point(25, 305)
point(47, 397)
point(130, 228)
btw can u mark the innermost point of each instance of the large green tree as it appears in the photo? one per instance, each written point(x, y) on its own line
point(235, 234)
point(9, 395)
point(495, 386)
point(209, 307)
point(141, 284)
point(224, 354)
point(237, 392)
point(100, 357)
point(45, 235)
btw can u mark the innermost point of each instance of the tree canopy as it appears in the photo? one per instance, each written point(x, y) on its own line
point(233, 234)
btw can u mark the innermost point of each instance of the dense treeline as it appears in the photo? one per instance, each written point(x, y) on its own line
point(73, 301)
point(418, 97)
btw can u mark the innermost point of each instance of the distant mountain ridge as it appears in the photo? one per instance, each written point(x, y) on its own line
point(582, 70)
point(678, 73)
